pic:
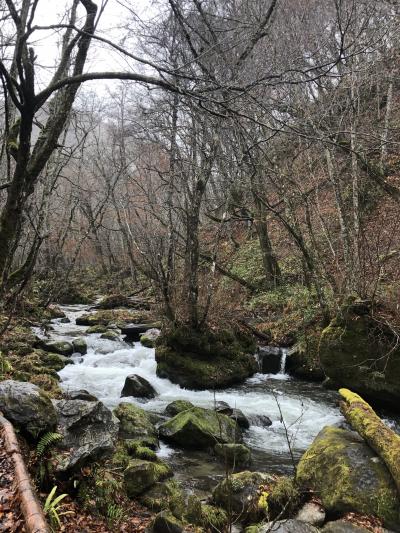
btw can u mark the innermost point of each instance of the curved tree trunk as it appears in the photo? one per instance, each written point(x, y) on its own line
point(384, 441)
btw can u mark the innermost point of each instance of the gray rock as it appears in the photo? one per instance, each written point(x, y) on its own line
point(65, 320)
point(262, 421)
point(312, 513)
point(133, 332)
point(287, 526)
point(343, 526)
point(80, 346)
point(89, 432)
point(240, 418)
point(269, 359)
point(223, 407)
point(27, 406)
point(138, 387)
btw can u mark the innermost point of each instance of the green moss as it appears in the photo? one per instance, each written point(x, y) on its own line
point(98, 328)
point(177, 406)
point(233, 454)
point(135, 424)
point(200, 428)
point(140, 475)
point(202, 360)
point(110, 335)
point(348, 477)
point(146, 341)
point(105, 317)
point(137, 448)
point(48, 383)
point(166, 495)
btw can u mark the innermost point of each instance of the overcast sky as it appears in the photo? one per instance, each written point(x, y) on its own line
point(101, 56)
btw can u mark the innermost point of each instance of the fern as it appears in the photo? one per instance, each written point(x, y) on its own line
point(48, 440)
point(115, 513)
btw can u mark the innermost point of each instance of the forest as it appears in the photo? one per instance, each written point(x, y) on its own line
point(199, 266)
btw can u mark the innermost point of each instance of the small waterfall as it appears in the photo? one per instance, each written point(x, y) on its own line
point(282, 369)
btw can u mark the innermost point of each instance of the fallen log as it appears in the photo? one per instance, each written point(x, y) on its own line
point(384, 441)
point(31, 509)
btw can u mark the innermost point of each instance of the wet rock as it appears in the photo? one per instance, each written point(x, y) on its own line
point(343, 526)
point(348, 476)
point(240, 418)
point(80, 395)
point(140, 475)
point(65, 320)
point(110, 335)
point(27, 407)
point(233, 454)
point(135, 423)
point(177, 406)
point(59, 347)
point(223, 407)
point(80, 345)
point(149, 338)
point(56, 312)
point(54, 361)
point(312, 513)
point(200, 429)
point(133, 332)
point(138, 387)
point(89, 432)
point(262, 421)
point(165, 522)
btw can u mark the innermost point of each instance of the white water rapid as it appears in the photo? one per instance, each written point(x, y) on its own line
point(305, 408)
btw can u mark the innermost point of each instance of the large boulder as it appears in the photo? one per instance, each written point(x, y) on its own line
point(89, 432)
point(27, 407)
point(361, 353)
point(348, 477)
point(200, 429)
point(343, 526)
point(140, 475)
point(166, 522)
point(204, 360)
point(59, 347)
point(138, 387)
point(136, 424)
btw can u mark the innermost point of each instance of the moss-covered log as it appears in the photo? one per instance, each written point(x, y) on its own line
point(384, 441)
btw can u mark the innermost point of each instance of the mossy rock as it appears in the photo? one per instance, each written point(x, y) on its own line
point(114, 300)
point(110, 335)
point(165, 495)
point(147, 341)
point(166, 522)
point(54, 361)
point(348, 477)
point(140, 475)
point(233, 454)
point(200, 428)
point(303, 358)
point(240, 493)
point(136, 424)
point(360, 353)
point(59, 347)
point(177, 406)
point(80, 345)
point(204, 360)
point(209, 517)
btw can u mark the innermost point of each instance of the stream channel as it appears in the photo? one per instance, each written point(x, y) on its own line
point(304, 407)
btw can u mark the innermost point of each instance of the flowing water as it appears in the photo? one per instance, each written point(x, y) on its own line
point(298, 410)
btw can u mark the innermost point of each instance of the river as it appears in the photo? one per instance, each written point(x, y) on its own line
point(298, 410)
